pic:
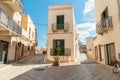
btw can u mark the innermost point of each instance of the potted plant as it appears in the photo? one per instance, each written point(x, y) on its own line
point(56, 51)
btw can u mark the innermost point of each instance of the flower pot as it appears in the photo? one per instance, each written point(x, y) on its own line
point(56, 63)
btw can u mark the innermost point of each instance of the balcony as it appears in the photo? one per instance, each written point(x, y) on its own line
point(104, 25)
point(56, 27)
point(16, 5)
point(9, 23)
point(64, 52)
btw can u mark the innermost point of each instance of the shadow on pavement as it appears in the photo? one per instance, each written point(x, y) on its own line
point(35, 60)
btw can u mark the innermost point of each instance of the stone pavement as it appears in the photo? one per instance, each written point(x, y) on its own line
point(4, 65)
point(13, 70)
point(71, 72)
point(67, 71)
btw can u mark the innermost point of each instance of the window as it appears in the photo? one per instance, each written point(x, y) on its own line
point(59, 43)
point(60, 22)
point(29, 32)
point(104, 15)
point(19, 22)
point(32, 34)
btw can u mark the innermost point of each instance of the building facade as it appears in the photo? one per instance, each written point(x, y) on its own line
point(11, 31)
point(62, 33)
point(28, 37)
point(89, 46)
point(107, 42)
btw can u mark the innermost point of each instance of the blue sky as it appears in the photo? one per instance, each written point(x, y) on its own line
point(84, 15)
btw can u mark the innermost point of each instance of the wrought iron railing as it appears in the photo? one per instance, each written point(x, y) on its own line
point(64, 52)
point(56, 26)
point(20, 4)
point(9, 22)
point(104, 25)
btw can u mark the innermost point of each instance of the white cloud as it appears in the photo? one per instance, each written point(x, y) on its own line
point(84, 30)
point(86, 26)
point(89, 17)
point(89, 6)
point(87, 29)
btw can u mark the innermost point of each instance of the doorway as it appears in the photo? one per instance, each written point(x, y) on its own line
point(96, 53)
point(100, 55)
point(3, 52)
point(110, 53)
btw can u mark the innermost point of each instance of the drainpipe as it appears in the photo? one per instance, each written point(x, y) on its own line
point(118, 9)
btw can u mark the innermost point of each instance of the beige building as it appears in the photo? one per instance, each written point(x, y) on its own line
point(28, 37)
point(89, 46)
point(62, 33)
point(89, 43)
point(107, 42)
point(11, 31)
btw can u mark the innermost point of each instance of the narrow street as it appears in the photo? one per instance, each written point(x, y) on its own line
point(33, 69)
point(59, 40)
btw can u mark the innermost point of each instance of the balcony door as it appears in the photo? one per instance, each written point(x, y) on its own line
point(59, 43)
point(60, 22)
point(104, 17)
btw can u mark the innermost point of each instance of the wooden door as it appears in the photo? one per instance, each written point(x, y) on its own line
point(96, 53)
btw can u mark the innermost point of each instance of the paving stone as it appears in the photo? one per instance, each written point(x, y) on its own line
point(32, 70)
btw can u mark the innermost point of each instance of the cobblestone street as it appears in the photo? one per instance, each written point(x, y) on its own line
point(31, 69)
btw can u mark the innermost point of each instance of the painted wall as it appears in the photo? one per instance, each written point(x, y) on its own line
point(8, 35)
point(68, 36)
point(112, 36)
point(28, 24)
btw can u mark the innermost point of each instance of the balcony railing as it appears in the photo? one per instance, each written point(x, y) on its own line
point(56, 27)
point(19, 3)
point(64, 52)
point(104, 25)
point(9, 22)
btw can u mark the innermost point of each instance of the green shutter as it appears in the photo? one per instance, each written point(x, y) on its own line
point(60, 22)
point(62, 47)
point(62, 19)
